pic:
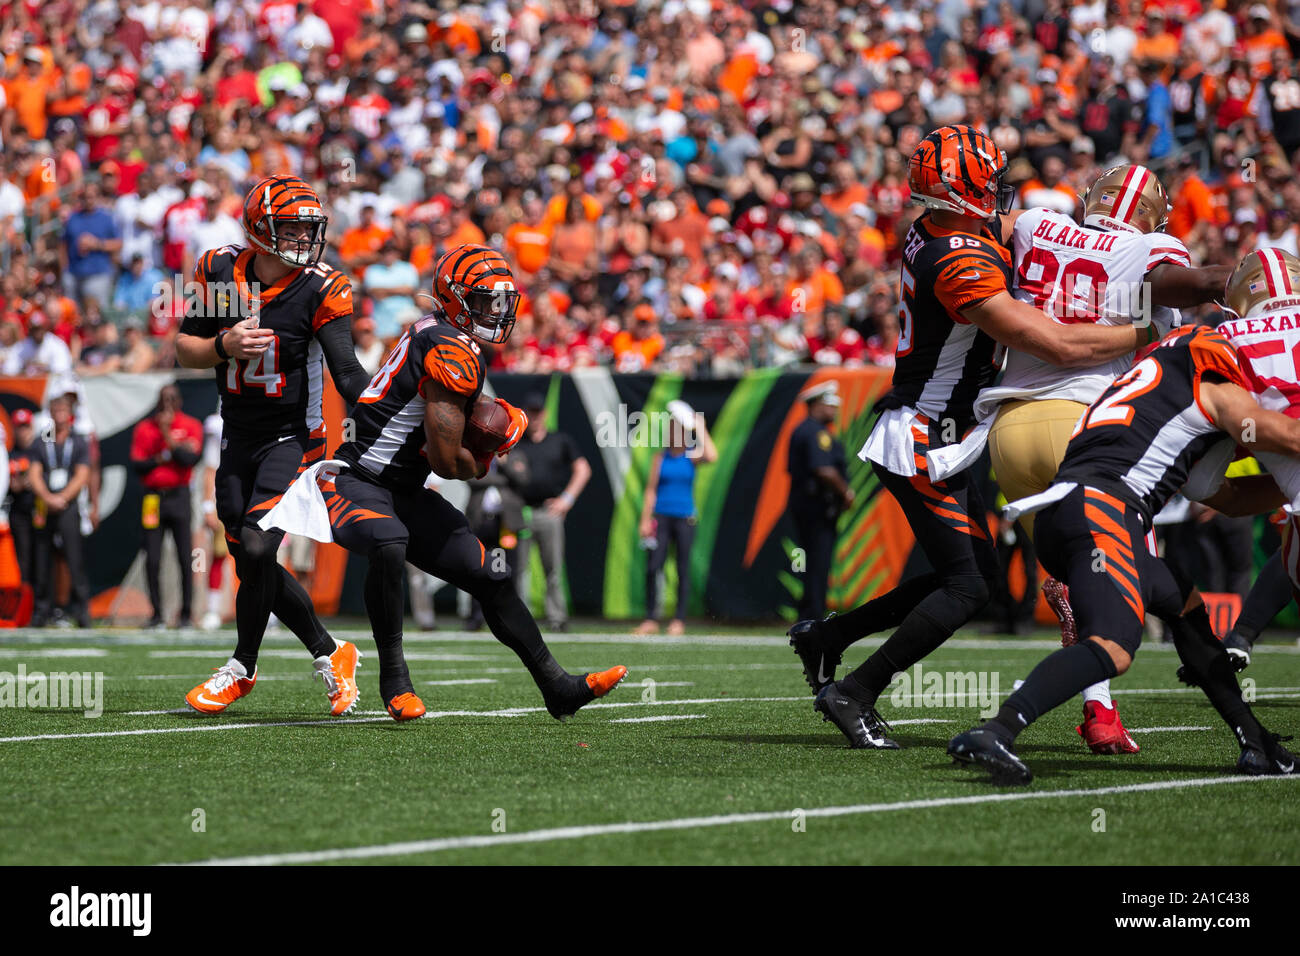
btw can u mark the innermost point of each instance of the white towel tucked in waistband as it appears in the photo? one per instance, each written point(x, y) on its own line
point(950, 459)
point(301, 510)
point(1027, 506)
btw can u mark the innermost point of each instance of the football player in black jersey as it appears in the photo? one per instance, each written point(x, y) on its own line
point(411, 418)
point(264, 318)
point(1131, 452)
point(956, 307)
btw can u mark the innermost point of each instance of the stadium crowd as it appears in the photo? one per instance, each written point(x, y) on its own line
point(696, 185)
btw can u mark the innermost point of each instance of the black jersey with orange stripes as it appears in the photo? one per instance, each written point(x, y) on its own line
point(389, 440)
point(280, 392)
point(1140, 439)
point(942, 360)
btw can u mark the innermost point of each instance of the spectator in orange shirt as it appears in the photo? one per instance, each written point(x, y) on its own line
point(30, 93)
point(1156, 42)
point(361, 244)
point(573, 245)
point(1192, 200)
point(636, 348)
point(811, 285)
point(555, 209)
point(848, 189)
point(528, 244)
point(1261, 40)
point(685, 234)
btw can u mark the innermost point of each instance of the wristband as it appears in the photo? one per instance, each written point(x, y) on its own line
point(209, 507)
point(567, 499)
point(221, 350)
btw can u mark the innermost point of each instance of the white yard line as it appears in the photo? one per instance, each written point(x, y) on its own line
point(657, 718)
point(464, 680)
point(1158, 730)
point(479, 841)
point(53, 652)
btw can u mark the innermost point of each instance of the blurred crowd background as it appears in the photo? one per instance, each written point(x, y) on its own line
point(699, 186)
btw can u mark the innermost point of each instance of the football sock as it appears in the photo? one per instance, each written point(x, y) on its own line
point(928, 625)
point(1055, 680)
point(294, 609)
point(1203, 655)
point(258, 578)
point(1100, 692)
point(384, 604)
point(1269, 595)
point(511, 624)
point(879, 614)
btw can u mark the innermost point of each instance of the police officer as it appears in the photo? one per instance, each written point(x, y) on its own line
point(60, 469)
point(819, 492)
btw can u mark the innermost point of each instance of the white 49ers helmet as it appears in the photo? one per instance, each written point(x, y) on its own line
point(1264, 280)
point(1127, 197)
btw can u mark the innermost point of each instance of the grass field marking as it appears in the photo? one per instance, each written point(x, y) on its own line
point(462, 680)
point(657, 718)
point(1158, 730)
point(413, 847)
point(16, 652)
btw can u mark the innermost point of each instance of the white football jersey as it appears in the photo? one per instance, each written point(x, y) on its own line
point(1078, 273)
point(1268, 346)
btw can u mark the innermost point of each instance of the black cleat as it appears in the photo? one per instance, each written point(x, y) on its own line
point(1238, 649)
point(567, 695)
point(991, 752)
point(860, 722)
point(818, 663)
point(1272, 759)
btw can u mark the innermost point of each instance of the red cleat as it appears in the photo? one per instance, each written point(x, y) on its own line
point(1058, 599)
point(1103, 731)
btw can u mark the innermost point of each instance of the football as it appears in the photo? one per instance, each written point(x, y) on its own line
point(486, 428)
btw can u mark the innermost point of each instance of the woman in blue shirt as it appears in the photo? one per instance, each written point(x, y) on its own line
point(668, 514)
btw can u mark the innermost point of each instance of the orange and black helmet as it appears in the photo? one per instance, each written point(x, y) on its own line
point(959, 169)
point(272, 211)
point(476, 289)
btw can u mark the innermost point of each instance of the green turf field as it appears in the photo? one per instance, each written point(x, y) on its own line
point(706, 766)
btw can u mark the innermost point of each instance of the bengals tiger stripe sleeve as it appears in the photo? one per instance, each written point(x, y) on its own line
point(454, 366)
point(969, 277)
point(197, 320)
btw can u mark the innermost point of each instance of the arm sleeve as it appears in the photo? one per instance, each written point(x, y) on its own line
point(349, 377)
point(969, 276)
point(197, 321)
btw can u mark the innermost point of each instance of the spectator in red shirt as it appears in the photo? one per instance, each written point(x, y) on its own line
point(165, 447)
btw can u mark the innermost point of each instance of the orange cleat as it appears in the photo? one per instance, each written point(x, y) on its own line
point(605, 681)
point(339, 672)
point(1103, 731)
point(405, 707)
point(223, 688)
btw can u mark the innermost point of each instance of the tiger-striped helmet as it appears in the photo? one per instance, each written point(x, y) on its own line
point(1265, 279)
point(1127, 197)
point(959, 169)
point(476, 289)
point(274, 208)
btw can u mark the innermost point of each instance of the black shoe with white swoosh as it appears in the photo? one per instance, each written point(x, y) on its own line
point(1238, 649)
point(1270, 760)
point(991, 752)
point(808, 641)
point(860, 722)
